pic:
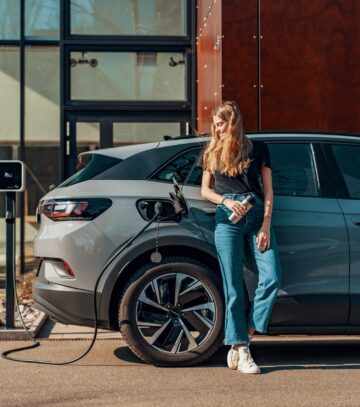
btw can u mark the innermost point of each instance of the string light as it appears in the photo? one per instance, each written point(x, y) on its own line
point(207, 109)
point(208, 14)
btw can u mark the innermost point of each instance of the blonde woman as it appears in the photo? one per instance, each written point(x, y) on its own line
point(233, 164)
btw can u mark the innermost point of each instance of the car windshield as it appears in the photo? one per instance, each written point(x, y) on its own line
point(89, 166)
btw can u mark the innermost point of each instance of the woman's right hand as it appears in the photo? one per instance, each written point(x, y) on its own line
point(235, 206)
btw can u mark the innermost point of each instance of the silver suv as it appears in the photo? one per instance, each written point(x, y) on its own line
point(172, 312)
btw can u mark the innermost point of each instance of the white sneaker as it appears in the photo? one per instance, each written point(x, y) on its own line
point(246, 363)
point(232, 358)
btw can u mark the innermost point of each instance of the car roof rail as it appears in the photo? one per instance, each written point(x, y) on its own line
point(198, 135)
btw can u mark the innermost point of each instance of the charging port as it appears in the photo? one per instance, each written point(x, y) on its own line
point(146, 208)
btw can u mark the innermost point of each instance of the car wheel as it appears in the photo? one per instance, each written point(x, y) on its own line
point(171, 314)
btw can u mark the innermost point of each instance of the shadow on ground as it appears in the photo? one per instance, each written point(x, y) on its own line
point(281, 355)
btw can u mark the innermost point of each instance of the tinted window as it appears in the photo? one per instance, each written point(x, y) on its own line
point(293, 170)
point(348, 160)
point(91, 165)
point(179, 169)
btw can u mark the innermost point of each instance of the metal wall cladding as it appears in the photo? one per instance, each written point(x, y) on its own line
point(291, 65)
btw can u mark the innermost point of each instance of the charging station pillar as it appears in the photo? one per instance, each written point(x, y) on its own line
point(10, 259)
point(12, 180)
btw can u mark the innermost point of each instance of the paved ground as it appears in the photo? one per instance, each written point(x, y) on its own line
point(301, 371)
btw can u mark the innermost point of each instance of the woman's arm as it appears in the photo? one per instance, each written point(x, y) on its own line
point(210, 195)
point(206, 189)
point(263, 238)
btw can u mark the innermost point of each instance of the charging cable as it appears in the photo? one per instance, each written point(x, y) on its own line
point(158, 209)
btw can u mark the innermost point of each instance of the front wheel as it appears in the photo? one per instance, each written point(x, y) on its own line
point(171, 314)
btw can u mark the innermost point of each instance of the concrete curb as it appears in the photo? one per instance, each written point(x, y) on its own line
point(20, 334)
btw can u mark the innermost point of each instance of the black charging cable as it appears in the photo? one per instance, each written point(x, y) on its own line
point(157, 216)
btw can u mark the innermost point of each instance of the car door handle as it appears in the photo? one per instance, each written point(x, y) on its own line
point(356, 220)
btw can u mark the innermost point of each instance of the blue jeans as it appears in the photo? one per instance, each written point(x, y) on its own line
point(229, 242)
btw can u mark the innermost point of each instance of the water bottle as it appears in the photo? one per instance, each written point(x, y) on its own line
point(249, 202)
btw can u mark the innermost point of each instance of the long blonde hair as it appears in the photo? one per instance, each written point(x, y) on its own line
point(230, 154)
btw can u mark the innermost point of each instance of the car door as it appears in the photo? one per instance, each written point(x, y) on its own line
point(312, 239)
point(343, 161)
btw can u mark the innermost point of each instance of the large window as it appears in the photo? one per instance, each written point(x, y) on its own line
point(348, 160)
point(130, 76)
point(42, 19)
point(9, 19)
point(131, 133)
point(10, 94)
point(42, 94)
point(293, 170)
point(128, 17)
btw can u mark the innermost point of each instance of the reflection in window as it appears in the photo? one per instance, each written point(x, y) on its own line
point(293, 170)
point(42, 19)
point(179, 169)
point(131, 133)
point(127, 76)
point(87, 136)
point(348, 160)
point(10, 94)
point(42, 94)
point(9, 19)
point(42, 161)
point(128, 17)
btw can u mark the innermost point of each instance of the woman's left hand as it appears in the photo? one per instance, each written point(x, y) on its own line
point(263, 239)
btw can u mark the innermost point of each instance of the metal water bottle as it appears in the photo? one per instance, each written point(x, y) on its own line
point(249, 202)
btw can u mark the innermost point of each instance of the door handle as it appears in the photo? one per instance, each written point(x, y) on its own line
point(356, 220)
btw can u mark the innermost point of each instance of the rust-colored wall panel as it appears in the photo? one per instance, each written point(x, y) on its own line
point(208, 61)
point(239, 58)
point(310, 63)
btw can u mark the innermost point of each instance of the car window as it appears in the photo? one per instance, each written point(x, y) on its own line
point(179, 168)
point(90, 166)
point(348, 161)
point(293, 169)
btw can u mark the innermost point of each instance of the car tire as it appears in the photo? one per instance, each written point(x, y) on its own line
point(164, 333)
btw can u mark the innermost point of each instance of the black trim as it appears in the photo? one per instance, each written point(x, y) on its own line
point(314, 132)
point(311, 309)
point(338, 182)
point(326, 188)
point(63, 160)
point(22, 155)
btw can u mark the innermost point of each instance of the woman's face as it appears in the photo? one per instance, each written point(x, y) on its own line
point(221, 126)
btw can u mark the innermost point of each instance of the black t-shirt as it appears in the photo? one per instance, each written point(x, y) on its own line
point(250, 179)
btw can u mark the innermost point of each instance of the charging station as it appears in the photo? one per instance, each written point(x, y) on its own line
point(12, 180)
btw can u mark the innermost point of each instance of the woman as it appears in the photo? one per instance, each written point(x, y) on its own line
point(235, 164)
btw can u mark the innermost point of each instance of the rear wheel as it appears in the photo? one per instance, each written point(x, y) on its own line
point(171, 314)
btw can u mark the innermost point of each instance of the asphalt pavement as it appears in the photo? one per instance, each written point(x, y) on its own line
point(297, 371)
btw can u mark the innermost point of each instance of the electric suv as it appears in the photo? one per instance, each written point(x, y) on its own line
point(164, 291)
